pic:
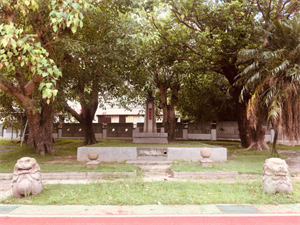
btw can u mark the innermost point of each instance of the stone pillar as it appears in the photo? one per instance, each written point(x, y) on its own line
point(150, 116)
point(59, 132)
point(213, 131)
point(104, 133)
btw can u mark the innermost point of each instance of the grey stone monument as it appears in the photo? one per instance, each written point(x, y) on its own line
point(150, 135)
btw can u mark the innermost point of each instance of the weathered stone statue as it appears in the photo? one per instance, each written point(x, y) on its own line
point(27, 179)
point(275, 177)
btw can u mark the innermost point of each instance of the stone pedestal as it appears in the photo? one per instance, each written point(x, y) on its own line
point(150, 138)
point(205, 162)
point(93, 156)
point(92, 164)
point(205, 153)
point(150, 135)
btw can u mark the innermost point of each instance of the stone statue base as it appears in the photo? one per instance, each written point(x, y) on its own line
point(150, 138)
point(92, 164)
point(205, 162)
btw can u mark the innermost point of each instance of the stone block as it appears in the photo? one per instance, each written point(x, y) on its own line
point(92, 164)
point(205, 162)
point(150, 138)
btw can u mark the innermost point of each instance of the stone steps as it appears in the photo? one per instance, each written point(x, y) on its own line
point(164, 162)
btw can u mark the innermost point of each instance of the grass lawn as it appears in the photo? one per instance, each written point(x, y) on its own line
point(240, 160)
point(241, 164)
point(128, 143)
point(142, 193)
point(64, 147)
point(250, 161)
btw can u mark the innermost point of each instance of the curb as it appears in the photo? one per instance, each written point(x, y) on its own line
point(76, 175)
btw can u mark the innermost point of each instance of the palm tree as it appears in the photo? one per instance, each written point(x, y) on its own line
point(272, 77)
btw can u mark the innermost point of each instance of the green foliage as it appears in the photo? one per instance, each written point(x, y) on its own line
point(24, 49)
point(205, 98)
point(272, 76)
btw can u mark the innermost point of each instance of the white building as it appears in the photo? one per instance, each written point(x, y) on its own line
point(119, 115)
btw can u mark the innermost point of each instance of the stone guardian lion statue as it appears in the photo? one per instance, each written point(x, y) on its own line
point(27, 179)
point(275, 177)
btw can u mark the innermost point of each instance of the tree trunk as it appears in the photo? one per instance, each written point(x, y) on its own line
point(88, 130)
point(40, 126)
point(274, 149)
point(252, 134)
point(169, 119)
point(251, 130)
point(171, 124)
point(86, 117)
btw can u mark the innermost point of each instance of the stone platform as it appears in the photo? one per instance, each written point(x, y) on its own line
point(150, 138)
point(121, 154)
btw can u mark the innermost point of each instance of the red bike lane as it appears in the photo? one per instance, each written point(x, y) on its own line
point(157, 220)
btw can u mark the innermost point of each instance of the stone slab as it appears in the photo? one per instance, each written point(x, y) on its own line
point(151, 151)
point(84, 175)
point(150, 138)
point(150, 135)
point(108, 154)
point(6, 176)
point(120, 154)
point(151, 158)
point(231, 208)
point(114, 210)
point(8, 208)
point(206, 162)
point(177, 174)
point(92, 164)
point(148, 162)
point(193, 154)
point(285, 208)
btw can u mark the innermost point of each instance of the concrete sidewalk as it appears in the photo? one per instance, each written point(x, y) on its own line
point(109, 210)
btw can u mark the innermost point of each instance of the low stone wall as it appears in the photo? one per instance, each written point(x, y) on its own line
point(193, 154)
point(120, 154)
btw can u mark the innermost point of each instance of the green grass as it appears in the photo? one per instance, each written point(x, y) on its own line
point(128, 143)
point(81, 167)
point(143, 193)
point(64, 147)
point(243, 161)
point(233, 147)
point(241, 164)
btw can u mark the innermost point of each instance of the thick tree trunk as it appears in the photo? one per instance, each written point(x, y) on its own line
point(86, 117)
point(274, 149)
point(40, 126)
point(252, 134)
point(251, 131)
point(169, 119)
point(88, 130)
point(171, 124)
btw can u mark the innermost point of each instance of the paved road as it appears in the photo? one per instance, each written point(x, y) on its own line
point(157, 220)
